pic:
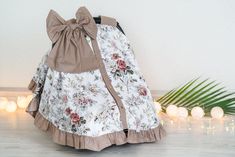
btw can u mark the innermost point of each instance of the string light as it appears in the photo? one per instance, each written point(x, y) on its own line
point(217, 112)
point(3, 103)
point(197, 112)
point(11, 106)
point(158, 107)
point(171, 110)
point(22, 101)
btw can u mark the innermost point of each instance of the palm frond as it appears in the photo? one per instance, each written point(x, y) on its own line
point(206, 94)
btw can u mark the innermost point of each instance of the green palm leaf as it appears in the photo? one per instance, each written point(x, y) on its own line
point(206, 94)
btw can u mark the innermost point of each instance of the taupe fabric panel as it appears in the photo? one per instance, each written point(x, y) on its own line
point(71, 52)
point(105, 20)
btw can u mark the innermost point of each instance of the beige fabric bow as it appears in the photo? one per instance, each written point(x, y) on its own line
point(71, 52)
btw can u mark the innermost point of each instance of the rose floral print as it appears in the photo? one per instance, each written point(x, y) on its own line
point(77, 103)
point(142, 91)
point(127, 80)
point(120, 68)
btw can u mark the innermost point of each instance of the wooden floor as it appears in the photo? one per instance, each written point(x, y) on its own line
point(20, 138)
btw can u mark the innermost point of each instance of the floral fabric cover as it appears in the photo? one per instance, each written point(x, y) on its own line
point(81, 104)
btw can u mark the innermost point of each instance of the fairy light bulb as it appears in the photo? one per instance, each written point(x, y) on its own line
point(158, 107)
point(3, 103)
point(22, 101)
point(11, 106)
point(217, 112)
point(197, 112)
point(171, 110)
point(182, 112)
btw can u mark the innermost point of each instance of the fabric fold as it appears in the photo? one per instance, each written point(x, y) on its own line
point(33, 106)
point(32, 85)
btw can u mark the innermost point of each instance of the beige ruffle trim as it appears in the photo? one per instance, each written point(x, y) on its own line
point(32, 85)
point(92, 143)
point(33, 106)
point(100, 142)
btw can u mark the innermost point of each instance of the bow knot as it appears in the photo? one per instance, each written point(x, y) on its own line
point(75, 26)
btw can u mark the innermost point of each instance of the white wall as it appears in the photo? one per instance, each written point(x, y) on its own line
point(174, 40)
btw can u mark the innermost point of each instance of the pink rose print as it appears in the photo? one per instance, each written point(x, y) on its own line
point(121, 65)
point(68, 111)
point(142, 91)
point(121, 68)
point(74, 117)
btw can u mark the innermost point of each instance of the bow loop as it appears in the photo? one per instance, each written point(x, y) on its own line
point(85, 19)
point(55, 25)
